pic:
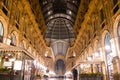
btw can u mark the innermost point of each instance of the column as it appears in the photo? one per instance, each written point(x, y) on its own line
point(104, 70)
point(94, 68)
point(116, 66)
point(91, 68)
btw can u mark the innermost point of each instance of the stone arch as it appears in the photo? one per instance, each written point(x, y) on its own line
point(102, 43)
point(60, 67)
point(103, 37)
point(115, 33)
point(115, 26)
point(59, 57)
point(106, 37)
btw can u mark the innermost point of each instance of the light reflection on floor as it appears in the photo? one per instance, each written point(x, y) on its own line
point(60, 79)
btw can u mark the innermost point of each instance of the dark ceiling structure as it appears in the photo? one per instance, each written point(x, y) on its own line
point(59, 16)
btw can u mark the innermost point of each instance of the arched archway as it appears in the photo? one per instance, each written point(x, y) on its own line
point(60, 67)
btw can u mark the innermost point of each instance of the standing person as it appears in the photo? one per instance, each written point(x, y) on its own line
point(75, 74)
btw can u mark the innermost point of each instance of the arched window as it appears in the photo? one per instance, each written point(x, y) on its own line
point(22, 44)
point(109, 56)
point(29, 50)
point(13, 40)
point(1, 32)
point(118, 32)
point(34, 53)
point(107, 42)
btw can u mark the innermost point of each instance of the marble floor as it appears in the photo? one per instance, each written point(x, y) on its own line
point(57, 79)
point(60, 79)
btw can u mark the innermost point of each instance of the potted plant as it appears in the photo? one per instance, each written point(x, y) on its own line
point(92, 76)
point(2, 69)
point(38, 76)
point(116, 76)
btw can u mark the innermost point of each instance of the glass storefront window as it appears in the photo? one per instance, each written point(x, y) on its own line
point(29, 68)
point(6, 61)
point(9, 62)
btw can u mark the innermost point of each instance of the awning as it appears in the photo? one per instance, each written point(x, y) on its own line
point(9, 48)
point(90, 62)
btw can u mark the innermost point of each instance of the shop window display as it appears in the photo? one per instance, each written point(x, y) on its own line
point(6, 60)
point(28, 68)
point(16, 65)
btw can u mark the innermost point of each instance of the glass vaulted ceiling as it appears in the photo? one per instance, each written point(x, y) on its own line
point(59, 16)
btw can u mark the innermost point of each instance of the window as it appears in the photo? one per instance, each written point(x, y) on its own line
point(118, 32)
point(13, 40)
point(89, 35)
point(22, 44)
point(5, 2)
point(57, 6)
point(98, 67)
point(5, 6)
point(102, 17)
point(1, 31)
point(17, 19)
point(24, 28)
point(29, 50)
point(109, 58)
point(116, 7)
point(115, 2)
point(17, 16)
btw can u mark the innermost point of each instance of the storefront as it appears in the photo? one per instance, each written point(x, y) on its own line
point(15, 63)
